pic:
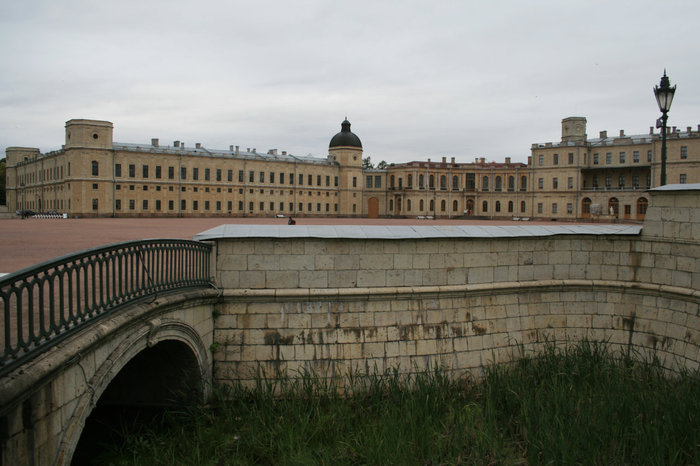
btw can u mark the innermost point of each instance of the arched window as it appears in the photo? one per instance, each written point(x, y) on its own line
point(523, 207)
point(410, 181)
point(455, 206)
point(455, 183)
point(443, 182)
point(642, 205)
point(443, 205)
point(498, 206)
point(432, 205)
point(586, 207)
point(391, 181)
point(613, 207)
point(511, 183)
point(485, 183)
point(408, 205)
point(499, 183)
point(485, 206)
point(523, 183)
point(510, 206)
point(421, 205)
point(420, 181)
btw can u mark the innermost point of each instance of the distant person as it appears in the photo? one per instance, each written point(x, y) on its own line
point(291, 221)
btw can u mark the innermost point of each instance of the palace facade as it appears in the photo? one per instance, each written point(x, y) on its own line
point(93, 176)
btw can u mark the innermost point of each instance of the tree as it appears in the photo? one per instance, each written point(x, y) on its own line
point(367, 163)
point(382, 165)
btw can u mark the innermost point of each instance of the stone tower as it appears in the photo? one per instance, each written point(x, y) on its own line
point(573, 129)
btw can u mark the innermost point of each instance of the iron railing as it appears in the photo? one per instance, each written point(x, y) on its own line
point(45, 303)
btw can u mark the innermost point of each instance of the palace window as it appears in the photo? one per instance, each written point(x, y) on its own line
point(95, 168)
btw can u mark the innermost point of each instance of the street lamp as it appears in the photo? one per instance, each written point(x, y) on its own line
point(664, 96)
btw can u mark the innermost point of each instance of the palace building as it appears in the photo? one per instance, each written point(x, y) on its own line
point(92, 176)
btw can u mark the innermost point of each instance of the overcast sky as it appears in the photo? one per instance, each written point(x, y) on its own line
point(417, 79)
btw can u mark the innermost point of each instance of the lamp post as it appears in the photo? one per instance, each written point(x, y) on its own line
point(664, 96)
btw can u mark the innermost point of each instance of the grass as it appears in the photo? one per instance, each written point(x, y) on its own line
point(580, 405)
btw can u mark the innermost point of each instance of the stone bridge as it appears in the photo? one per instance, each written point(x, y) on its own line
point(338, 299)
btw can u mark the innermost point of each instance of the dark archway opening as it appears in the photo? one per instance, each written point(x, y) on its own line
point(163, 378)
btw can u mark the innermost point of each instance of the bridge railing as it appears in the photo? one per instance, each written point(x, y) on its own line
point(45, 303)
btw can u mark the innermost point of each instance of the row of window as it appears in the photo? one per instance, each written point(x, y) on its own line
point(263, 177)
point(555, 159)
point(613, 207)
point(207, 206)
point(622, 157)
point(470, 182)
point(469, 206)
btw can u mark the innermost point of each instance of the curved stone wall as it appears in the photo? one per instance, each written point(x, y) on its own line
point(334, 304)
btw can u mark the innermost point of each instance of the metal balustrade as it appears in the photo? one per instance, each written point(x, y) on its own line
point(45, 303)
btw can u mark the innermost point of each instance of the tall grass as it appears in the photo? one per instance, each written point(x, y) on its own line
point(576, 405)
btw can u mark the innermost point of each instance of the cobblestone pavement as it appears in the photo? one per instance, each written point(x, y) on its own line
point(24, 243)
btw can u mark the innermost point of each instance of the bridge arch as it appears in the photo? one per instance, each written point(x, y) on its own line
point(178, 366)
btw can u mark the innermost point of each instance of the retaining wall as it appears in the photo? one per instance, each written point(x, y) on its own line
point(335, 304)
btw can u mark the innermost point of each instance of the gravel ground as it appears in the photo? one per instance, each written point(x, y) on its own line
point(24, 243)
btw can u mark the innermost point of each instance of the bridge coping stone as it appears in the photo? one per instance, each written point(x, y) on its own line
point(407, 232)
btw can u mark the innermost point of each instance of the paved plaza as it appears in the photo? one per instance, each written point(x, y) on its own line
point(24, 243)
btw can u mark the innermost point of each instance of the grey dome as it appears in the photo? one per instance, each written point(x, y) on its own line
point(345, 138)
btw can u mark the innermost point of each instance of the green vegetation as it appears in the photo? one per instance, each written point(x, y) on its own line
point(581, 405)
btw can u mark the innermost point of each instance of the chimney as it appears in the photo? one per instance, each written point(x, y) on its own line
point(230, 148)
point(154, 142)
point(236, 149)
point(182, 144)
point(674, 129)
point(689, 129)
point(508, 160)
point(651, 130)
point(482, 160)
point(284, 152)
point(603, 134)
point(247, 149)
point(198, 145)
point(453, 160)
point(444, 160)
point(622, 133)
point(176, 143)
point(476, 159)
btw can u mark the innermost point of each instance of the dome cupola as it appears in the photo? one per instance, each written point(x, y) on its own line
point(345, 138)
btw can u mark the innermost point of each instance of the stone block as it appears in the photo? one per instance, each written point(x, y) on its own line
point(252, 279)
point(284, 279)
point(480, 275)
point(342, 279)
point(296, 262)
point(371, 278)
point(347, 262)
point(376, 261)
point(313, 279)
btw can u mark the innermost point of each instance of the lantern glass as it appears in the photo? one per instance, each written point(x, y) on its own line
point(664, 94)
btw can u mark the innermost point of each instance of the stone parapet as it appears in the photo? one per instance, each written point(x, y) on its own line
point(307, 299)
